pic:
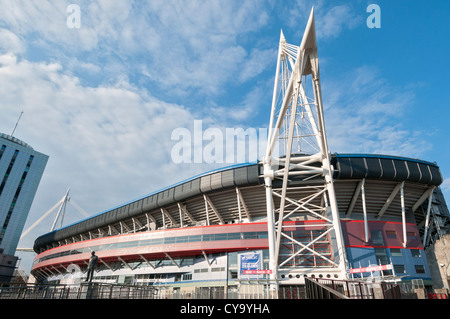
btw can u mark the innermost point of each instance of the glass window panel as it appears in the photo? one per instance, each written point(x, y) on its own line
point(208, 237)
point(391, 234)
point(250, 235)
point(420, 269)
point(187, 276)
point(399, 269)
point(377, 237)
point(220, 237)
point(232, 236)
point(316, 233)
point(145, 242)
point(187, 261)
point(169, 240)
point(381, 256)
point(396, 252)
point(195, 238)
point(182, 239)
point(262, 234)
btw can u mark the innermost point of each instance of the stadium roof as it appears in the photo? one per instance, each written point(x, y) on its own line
point(346, 167)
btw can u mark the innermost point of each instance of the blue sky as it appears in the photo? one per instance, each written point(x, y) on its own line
point(102, 100)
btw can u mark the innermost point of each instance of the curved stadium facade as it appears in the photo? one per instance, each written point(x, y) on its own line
point(189, 236)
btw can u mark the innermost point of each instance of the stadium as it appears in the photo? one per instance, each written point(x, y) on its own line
point(265, 226)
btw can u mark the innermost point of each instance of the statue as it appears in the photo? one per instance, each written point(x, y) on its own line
point(91, 267)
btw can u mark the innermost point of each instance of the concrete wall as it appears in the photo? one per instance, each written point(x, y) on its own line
point(438, 256)
point(7, 266)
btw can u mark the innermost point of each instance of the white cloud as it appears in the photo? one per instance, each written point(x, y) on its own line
point(330, 20)
point(196, 42)
point(179, 44)
point(335, 20)
point(243, 112)
point(110, 144)
point(446, 185)
point(257, 62)
point(10, 43)
point(108, 139)
point(364, 113)
point(46, 18)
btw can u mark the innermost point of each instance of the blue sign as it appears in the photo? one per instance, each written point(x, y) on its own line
point(249, 263)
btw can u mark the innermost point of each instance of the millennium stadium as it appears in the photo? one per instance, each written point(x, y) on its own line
point(266, 227)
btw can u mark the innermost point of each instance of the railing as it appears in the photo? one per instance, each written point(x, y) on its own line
point(340, 289)
point(82, 291)
point(314, 288)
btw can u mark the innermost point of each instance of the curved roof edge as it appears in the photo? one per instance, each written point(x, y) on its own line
point(168, 188)
point(384, 167)
point(385, 156)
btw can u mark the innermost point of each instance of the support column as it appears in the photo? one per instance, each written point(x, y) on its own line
point(273, 262)
point(402, 199)
point(363, 197)
point(239, 205)
point(336, 222)
point(427, 220)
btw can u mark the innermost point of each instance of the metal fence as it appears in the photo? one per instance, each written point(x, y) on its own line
point(314, 288)
point(97, 290)
point(82, 291)
point(243, 292)
point(342, 289)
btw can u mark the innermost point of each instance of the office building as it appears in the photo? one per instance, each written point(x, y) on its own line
point(21, 169)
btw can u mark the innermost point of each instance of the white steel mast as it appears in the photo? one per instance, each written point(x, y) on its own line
point(297, 149)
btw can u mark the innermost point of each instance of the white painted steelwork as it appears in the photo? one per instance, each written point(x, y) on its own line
point(297, 124)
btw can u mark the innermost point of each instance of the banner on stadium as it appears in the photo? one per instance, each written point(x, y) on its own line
point(370, 269)
point(257, 272)
point(250, 265)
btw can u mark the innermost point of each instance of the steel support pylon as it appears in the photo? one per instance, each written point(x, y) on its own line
point(298, 175)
